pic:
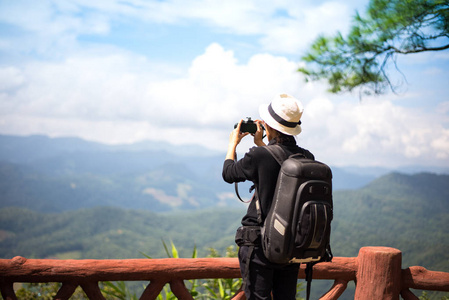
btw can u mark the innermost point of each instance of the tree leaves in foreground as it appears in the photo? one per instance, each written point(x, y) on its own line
point(390, 27)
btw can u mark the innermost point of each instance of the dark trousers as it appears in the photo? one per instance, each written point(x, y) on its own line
point(266, 278)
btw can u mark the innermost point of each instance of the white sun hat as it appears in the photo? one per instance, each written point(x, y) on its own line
point(283, 114)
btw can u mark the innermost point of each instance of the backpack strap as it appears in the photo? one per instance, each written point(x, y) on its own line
point(236, 187)
point(277, 152)
point(309, 272)
point(279, 155)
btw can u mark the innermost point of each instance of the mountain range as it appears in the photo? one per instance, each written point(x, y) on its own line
point(59, 174)
point(407, 212)
point(69, 198)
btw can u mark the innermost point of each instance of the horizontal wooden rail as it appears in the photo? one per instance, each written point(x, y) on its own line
point(420, 278)
point(377, 271)
point(20, 269)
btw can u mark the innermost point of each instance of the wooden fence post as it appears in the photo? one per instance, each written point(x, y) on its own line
point(378, 273)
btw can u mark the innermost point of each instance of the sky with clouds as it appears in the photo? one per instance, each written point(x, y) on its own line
point(184, 72)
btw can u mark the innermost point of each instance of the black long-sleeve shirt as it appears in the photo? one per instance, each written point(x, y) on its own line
point(260, 167)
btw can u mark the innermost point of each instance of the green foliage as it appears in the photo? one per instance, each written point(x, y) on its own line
point(113, 233)
point(117, 290)
point(425, 296)
point(407, 212)
point(390, 27)
point(46, 291)
point(218, 288)
point(38, 291)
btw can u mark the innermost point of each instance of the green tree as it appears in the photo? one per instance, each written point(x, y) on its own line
point(390, 28)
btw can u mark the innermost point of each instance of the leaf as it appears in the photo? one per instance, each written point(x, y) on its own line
point(195, 252)
point(220, 287)
point(145, 255)
point(174, 250)
point(166, 248)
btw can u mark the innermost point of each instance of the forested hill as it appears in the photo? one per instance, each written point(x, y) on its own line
point(420, 195)
point(409, 212)
point(108, 232)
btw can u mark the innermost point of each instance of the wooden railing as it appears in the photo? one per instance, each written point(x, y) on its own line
point(376, 271)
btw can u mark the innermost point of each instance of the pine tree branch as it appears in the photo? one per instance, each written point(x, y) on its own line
point(417, 50)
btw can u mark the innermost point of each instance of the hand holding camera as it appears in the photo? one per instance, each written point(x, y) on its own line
point(251, 127)
point(248, 126)
point(242, 129)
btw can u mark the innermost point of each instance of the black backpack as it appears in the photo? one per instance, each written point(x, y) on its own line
point(297, 227)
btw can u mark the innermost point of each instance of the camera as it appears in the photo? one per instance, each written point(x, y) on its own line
point(248, 126)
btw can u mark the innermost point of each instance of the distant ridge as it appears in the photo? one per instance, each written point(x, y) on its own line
point(59, 174)
point(29, 148)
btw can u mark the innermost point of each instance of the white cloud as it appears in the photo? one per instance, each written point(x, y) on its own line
point(218, 90)
point(375, 132)
point(121, 98)
point(48, 28)
point(121, 88)
point(10, 78)
point(102, 92)
point(443, 108)
point(294, 34)
point(441, 145)
point(53, 26)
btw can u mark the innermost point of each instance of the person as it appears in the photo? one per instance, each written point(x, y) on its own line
point(282, 122)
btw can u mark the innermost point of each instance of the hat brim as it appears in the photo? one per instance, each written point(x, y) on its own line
point(267, 118)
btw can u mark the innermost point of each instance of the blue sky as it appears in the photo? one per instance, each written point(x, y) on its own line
point(185, 71)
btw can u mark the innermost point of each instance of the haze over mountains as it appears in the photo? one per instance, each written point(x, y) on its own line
point(55, 175)
point(69, 198)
